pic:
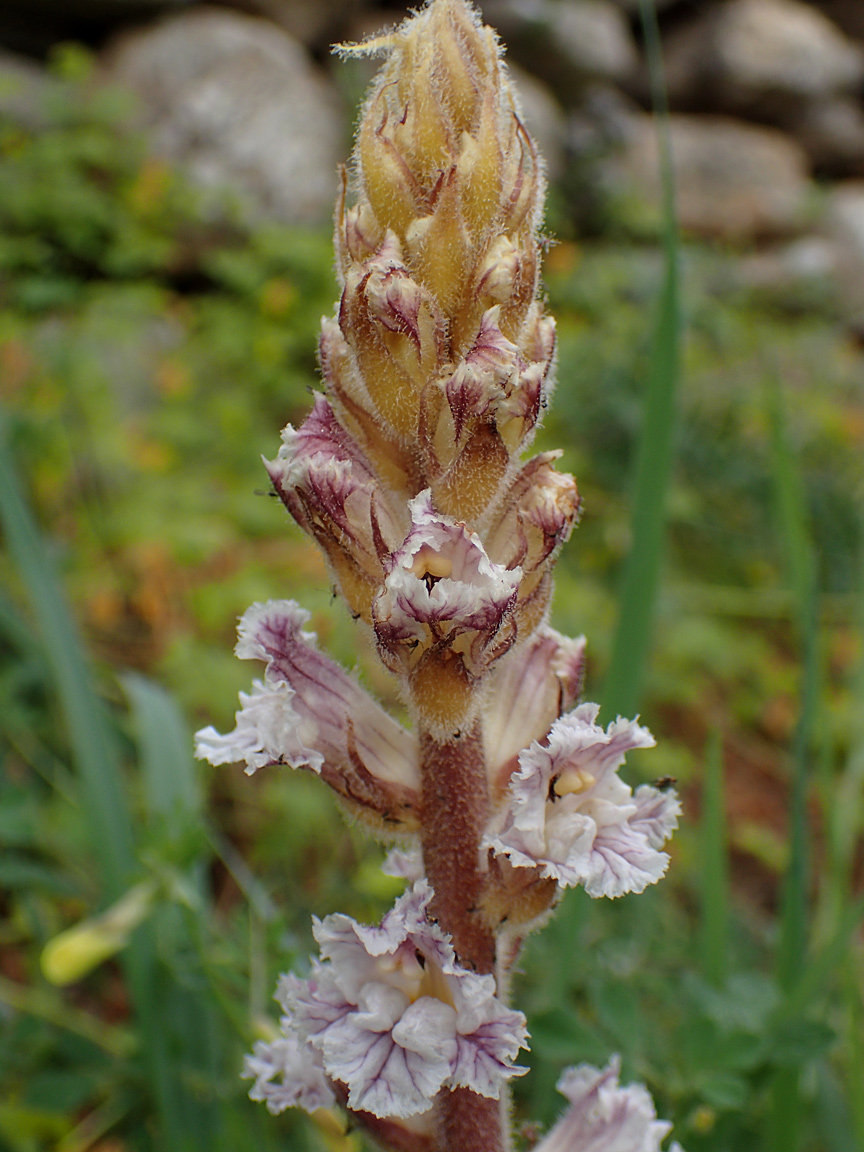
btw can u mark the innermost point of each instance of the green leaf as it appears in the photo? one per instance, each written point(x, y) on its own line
point(797, 1042)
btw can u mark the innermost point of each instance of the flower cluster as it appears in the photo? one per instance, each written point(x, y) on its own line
point(441, 539)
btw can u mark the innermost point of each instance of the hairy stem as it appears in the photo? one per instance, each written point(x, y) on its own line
point(454, 806)
point(454, 809)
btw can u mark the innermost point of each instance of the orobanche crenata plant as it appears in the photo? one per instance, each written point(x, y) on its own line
point(408, 473)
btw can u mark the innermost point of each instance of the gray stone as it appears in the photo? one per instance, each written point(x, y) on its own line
point(760, 57)
point(24, 90)
point(566, 42)
point(846, 14)
point(314, 23)
point(807, 261)
point(844, 223)
point(544, 117)
point(832, 133)
point(239, 104)
point(734, 181)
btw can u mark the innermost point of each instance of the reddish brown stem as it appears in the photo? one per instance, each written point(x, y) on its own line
point(469, 1123)
point(454, 809)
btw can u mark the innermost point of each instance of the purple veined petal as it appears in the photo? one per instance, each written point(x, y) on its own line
point(531, 686)
point(309, 712)
point(657, 813)
point(269, 730)
point(535, 516)
point(404, 864)
point(396, 1071)
point(569, 814)
point(395, 1018)
point(441, 578)
point(288, 1073)
point(603, 1116)
point(321, 434)
point(327, 484)
point(486, 1053)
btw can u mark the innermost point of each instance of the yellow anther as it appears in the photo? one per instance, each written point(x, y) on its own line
point(573, 781)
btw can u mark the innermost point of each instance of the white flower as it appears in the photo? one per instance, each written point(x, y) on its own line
point(288, 1073)
point(603, 1116)
point(310, 713)
point(570, 815)
point(396, 1019)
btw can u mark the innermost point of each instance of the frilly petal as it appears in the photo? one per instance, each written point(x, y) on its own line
point(569, 815)
point(310, 713)
point(288, 1073)
point(395, 1018)
point(603, 1116)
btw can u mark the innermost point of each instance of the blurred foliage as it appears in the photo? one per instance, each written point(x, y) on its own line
point(152, 343)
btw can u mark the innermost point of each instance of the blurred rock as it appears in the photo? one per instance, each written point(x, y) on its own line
point(846, 14)
point(735, 181)
point(632, 6)
point(544, 118)
point(832, 134)
point(566, 42)
point(760, 57)
point(24, 88)
point(807, 261)
point(238, 103)
point(844, 223)
point(315, 23)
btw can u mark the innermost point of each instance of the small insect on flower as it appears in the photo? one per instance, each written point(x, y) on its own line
point(664, 783)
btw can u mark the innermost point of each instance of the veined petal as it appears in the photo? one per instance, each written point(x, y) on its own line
point(570, 815)
point(404, 864)
point(269, 730)
point(441, 584)
point(536, 515)
point(310, 713)
point(395, 1018)
point(533, 685)
point(288, 1073)
point(332, 491)
point(603, 1116)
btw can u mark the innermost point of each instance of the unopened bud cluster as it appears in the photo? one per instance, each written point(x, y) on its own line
point(409, 475)
point(437, 364)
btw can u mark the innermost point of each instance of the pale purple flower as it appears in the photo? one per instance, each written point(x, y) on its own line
point(570, 815)
point(531, 687)
point(603, 1116)
point(310, 713)
point(404, 864)
point(395, 1018)
point(332, 491)
point(288, 1073)
point(441, 585)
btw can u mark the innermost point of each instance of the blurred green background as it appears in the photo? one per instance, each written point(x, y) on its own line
point(152, 345)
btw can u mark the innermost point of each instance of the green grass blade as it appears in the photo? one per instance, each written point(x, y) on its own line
point(655, 450)
point(715, 868)
point(92, 740)
point(171, 789)
point(784, 1132)
point(793, 522)
point(855, 1042)
point(96, 755)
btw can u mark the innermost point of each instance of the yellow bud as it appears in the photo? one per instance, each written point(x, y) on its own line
point(74, 953)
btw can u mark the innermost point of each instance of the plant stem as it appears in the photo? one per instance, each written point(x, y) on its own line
point(454, 807)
